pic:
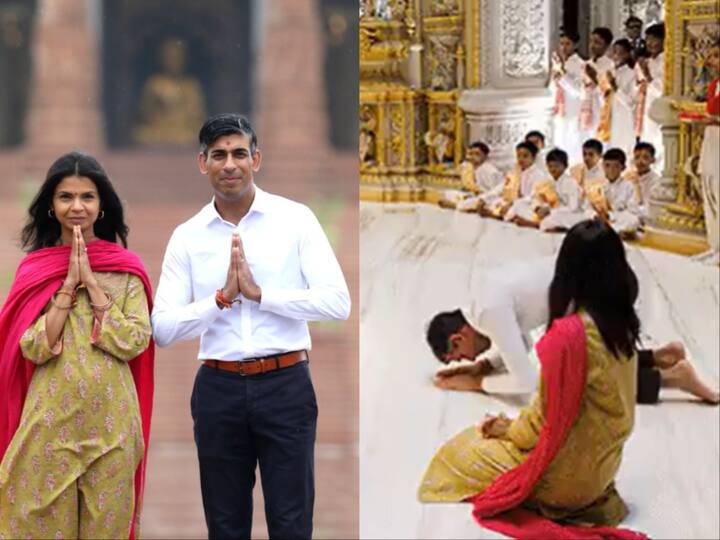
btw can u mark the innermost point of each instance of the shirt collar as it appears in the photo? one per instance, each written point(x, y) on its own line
point(261, 204)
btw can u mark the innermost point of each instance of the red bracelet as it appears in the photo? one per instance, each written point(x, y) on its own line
point(220, 299)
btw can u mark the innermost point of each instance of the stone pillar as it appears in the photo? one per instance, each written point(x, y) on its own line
point(64, 111)
point(662, 111)
point(513, 96)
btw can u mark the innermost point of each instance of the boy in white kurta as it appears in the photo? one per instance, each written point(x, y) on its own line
point(567, 208)
point(642, 176)
point(591, 166)
point(567, 76)
point(538, 139)
point(518, 183)
point(555, 190)
point(650, 75)
point(478, 176)
point(591, 96)
point(616, 200)
point(622, 98)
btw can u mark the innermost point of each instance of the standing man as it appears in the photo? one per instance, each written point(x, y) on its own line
point(245, 274)
point(633, 32)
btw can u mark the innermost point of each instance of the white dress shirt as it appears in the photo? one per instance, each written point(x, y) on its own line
point(511, 302)
point(291, 261)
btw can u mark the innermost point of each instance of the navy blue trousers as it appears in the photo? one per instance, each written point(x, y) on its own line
point(239, 422)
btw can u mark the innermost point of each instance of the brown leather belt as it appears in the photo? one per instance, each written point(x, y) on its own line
point(255, 366)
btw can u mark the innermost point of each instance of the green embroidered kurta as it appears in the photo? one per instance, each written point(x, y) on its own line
point(69, 470)
point(579, 483)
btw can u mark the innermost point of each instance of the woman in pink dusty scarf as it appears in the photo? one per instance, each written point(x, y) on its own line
point(76, 366)
point(550, 472)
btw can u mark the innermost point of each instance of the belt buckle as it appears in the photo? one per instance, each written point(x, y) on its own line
point(241, 369)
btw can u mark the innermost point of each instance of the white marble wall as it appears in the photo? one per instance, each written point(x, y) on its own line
point(416, 260)
point(515, 47)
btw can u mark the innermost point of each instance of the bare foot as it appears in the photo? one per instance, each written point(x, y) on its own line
point(684, 377)
point(669, 354)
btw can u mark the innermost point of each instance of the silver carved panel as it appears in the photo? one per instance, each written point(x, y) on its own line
point(524, 37)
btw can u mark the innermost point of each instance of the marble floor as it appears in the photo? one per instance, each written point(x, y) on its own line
point(418, 259)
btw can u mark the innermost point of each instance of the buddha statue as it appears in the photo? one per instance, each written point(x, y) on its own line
point(172, 105)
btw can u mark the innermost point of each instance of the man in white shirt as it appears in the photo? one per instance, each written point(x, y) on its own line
point(591, 97)
point(513, 301)
point(245, 274)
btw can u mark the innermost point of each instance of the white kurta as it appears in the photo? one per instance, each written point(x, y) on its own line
point(529, 178)
point(581, 173)
point(510, 303)
point(651, 130)
point(591, 94)
point(645, 183)
point(568, 212)
point(566, 134)
point(487, 177)
point(622, 122)
point(623, 205)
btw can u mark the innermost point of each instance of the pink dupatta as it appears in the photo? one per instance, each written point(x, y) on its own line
point(563, 357)
point(37, 278)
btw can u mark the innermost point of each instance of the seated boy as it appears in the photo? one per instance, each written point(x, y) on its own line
point(477, 176)
point(642, 176)
point(616, 200)
point(591, 166)
point(518, 183)
point(556, 193)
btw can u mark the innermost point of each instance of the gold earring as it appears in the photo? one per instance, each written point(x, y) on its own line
point(102, 214)
point(51, 214)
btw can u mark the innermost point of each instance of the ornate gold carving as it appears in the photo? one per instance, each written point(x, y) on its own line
point(690, 25)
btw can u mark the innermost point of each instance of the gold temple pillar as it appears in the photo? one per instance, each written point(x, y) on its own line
point(691, 26)
point(412, 63)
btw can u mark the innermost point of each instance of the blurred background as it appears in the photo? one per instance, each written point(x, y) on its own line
point(131, 81)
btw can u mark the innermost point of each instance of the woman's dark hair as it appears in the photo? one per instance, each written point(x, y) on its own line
point(442, 326)
point(591, 272)
point(41, 230)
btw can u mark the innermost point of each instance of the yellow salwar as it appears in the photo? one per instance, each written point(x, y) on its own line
point(69, 470)
point(578, 485)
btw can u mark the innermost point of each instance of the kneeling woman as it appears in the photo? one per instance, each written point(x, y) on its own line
point(557, 461)
point(76, 364)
